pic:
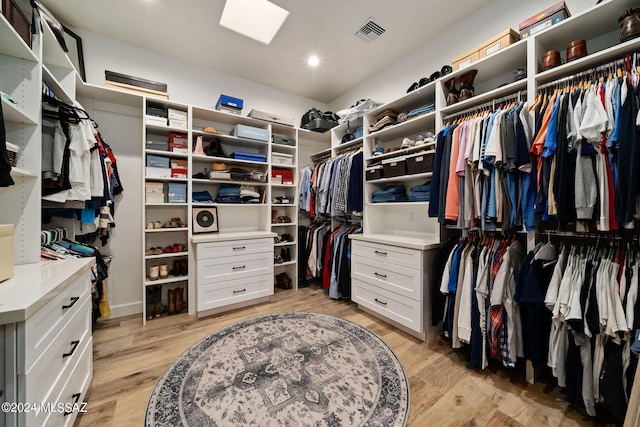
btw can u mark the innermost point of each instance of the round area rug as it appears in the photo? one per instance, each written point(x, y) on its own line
point(288, 369)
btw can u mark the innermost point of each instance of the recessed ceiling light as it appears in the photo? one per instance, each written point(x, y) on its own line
point(313, 60)
point(256, 19)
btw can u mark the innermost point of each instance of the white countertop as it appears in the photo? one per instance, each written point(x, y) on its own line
point(224, 237)
point(394, 240)
point(33, 285)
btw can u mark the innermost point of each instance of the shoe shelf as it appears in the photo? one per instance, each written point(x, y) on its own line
point(485, 97)
point(283, 224)
point(416, 98)
point(415, 125)
point(167, 255)
point(402, 151)
point(165, 230)
point(167, 154)
point(284, 204)
point(284, 244)
point(284, 263)
point(228, 181)
point(170, 279)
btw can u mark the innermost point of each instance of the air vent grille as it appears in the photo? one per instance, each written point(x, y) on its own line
point(369, 30)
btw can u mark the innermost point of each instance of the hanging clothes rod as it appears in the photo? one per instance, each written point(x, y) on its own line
point(489, 104)
point(591, 73)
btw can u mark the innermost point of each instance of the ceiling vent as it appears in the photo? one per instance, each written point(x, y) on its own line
point(369, 30)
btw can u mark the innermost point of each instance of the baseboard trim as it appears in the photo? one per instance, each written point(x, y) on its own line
point(125, 310)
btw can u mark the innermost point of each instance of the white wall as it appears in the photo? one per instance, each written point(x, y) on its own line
point(187, 83)
point(393, 82)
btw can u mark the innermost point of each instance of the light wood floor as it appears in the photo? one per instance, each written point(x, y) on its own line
point(129, 358)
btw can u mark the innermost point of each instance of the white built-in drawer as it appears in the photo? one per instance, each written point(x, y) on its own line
point(234, 291)
point(74, 389)
point(233, 248)
point(37, 333)
point(411, 258)
point(219, 269)
point(402, 280)
point(403, 310)
point(56, 361)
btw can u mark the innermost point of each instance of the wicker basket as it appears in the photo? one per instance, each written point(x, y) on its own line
point(420, 163)
point(12, 151)
point(396, 166)
point(375, 172)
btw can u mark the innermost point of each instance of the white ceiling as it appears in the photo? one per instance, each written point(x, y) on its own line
point(189, 30)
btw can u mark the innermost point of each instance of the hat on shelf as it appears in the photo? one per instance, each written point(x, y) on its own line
point(219, 167)
point(209, 129)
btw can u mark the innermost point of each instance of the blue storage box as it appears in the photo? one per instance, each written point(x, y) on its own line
point(250, 132)
point(229, 101)
point(239, 155)
point(358, 133)
point(154, 161)
point(176, 192)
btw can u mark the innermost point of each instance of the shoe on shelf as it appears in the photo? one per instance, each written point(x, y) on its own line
point(277, 259)
point(179, 222)
point(284, 219)
point(150, 302)
point(158, 251)
point(157, 224)
point(184, 267)
point(150, 251)
point(407, 143)
point(175, 271)
point(163, 270)
point(179, 297)
point(168, 249)
point(150, 226)
point(176, 248)
point(157, 306)
point(172, 301)
point(154, 272)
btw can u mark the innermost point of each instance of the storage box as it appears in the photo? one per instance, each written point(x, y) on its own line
point(151, 172)
point(375, 172)
point(231, 110)
point(464, 60)
point(420, 162)
point(18, 21)
point(6, 251)
point(180, 124)
point(282, 159)
point(494, 44)
point(358, 132)
point(499, 41)
point(544, 19)
point(283, 140)
point(179, 149)
point(178, 164)
point(153, 187)
point(157, 145)
point(155, 120)
point(178, 138)
point(229, 101)
point(252, 157)
point(243, 131)
point(177, 114)
point(176, 192)
point(285, 176)
point(396, 166)
point(154, 161)
point(275, 118)
point(154, 198)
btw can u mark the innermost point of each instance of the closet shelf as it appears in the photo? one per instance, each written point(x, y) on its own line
point(283, 185)
point(52, 52)
point(167, 255)
point(509, 89)
point(12, 43)
point(14, 113)
point(416, 98)
point(283, 264)
point(170, 279)
point(592, 60)
point(152, 178)
point(397, 204)
point(19, 172)
point(283, 224)
point(110, 95)
point(402, 178)
point(227, 160)
point(284, 244)
point(164, 230)
point(371, 161)
point(165, 128)
point(419, 124)
point(228, 181)
point(167, 153)
point(164, 205)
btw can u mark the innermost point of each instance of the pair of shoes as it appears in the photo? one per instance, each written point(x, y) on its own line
point(285, 254)
point(154, 302)
point(283, 281)
point(154, 251)
point(160, 271)
point(277, 259)
point(175, 248)
point(286, 238)
point(180, 267)
point(466, 87)
point(176, 300)
point(284, 219)
point(407, 143)
point(151, 225)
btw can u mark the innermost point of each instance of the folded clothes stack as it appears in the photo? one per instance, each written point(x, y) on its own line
point(386, 118)
point(228, 194)
point(421, 110)
point(392, 193)
point(420, 193)
point(248, 194)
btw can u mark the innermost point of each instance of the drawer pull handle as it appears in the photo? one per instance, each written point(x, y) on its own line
point(239, 248)
point(240, 291)
point(73, 301)
point(384, 276)
point(381, 253)
point(240, 268)
point(76, 397)
point(74, 345)
point(378, 301)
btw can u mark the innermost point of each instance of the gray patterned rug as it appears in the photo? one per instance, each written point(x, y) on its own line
point(288, 369)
